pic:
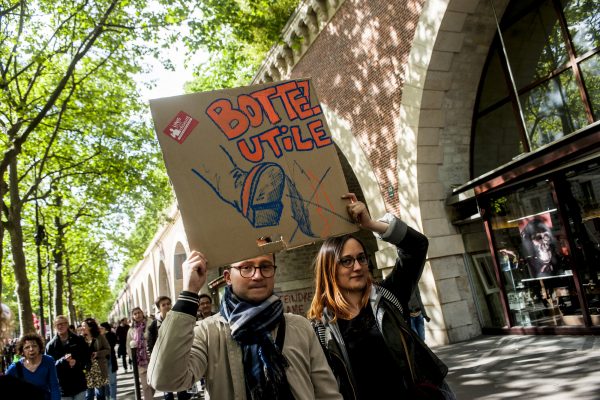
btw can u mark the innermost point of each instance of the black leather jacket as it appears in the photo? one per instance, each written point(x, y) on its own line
point(412, 250)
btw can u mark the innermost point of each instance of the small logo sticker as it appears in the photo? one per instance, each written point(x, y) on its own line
point(180, 127)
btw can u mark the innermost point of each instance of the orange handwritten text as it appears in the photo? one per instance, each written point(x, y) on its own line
point(254, 109)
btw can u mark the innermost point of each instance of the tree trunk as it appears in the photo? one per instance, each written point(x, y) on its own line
point(72, 313)
point(15, 231)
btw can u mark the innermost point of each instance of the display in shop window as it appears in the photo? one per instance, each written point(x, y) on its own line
point(540, 246)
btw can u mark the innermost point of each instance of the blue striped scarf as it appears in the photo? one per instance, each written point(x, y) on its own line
point(251, 326)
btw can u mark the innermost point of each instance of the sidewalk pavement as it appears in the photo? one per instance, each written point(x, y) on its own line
point(126, 388)
point(524, 367)
point(503, 367)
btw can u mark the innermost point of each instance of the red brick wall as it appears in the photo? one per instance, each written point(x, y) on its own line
point(357, 65)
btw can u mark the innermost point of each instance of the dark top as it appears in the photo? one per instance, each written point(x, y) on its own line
point(72, 380)
point(15, 388)
point(122, 339)
point(363, 339)
point(153, 333)
point(112, 340)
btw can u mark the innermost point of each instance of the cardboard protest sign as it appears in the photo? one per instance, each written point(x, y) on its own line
point(252, 162)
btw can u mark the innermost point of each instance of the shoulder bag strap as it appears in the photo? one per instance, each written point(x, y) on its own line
point(408, 360)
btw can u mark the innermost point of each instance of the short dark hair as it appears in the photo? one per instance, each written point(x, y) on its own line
point(205, 295)
point(106, 326)
point(30, 337)
point(161, 298)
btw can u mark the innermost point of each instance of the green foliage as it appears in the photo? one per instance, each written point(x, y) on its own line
point(77, 137)
point(73, 128)
point(237, 35)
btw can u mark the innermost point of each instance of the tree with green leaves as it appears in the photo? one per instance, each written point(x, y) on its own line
point(69, 109)
point(77, 155)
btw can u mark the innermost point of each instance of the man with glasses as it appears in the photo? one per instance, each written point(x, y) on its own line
point(71, 355)
point(250, 349)
point(205, 308)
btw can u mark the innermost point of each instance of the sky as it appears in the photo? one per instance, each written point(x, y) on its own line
point(169, 83)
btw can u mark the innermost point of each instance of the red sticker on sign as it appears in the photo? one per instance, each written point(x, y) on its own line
point(180, 127)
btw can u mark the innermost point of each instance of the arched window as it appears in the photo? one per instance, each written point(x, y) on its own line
point(541, 80)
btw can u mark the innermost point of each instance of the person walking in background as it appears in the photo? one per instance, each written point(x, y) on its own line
point(361, 325)
point(417, 313)
point(99, 350)
point(205, 307)
point(137, 334)
point(163, 304)
point(121, 332)
point(71, 355)
point(251, 349)
point(111, 337)
point(36, 367)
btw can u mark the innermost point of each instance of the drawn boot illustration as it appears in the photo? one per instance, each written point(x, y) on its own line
point(261, 194)
point(256, 194)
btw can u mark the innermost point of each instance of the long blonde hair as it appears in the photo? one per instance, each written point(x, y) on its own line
point(327, 291)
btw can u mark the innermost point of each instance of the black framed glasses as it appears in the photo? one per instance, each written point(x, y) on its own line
point(348, 261)
point(247, 271)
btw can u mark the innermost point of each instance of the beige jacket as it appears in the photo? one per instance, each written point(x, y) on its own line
point(185, 352)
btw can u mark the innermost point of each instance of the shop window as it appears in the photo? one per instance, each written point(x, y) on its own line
point(552, 110)
point(530, 79)
point(497, 140)
point(582, 212)
point(535, 45)
point(583, 20)
point(533, 257)
point(590, 70)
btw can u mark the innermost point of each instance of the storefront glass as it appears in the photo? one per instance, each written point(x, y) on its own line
point(552, 110)
point(533, 256)
point(583, 20)
point(552, 53)
point(543, 51)
point(581, 196)
point(590, 69)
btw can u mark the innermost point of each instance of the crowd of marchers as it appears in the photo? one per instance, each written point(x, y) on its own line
point(360, 339)
point(81, 363)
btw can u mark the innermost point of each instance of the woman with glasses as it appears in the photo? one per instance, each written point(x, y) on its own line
point(362, 325)
point(251, 349)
